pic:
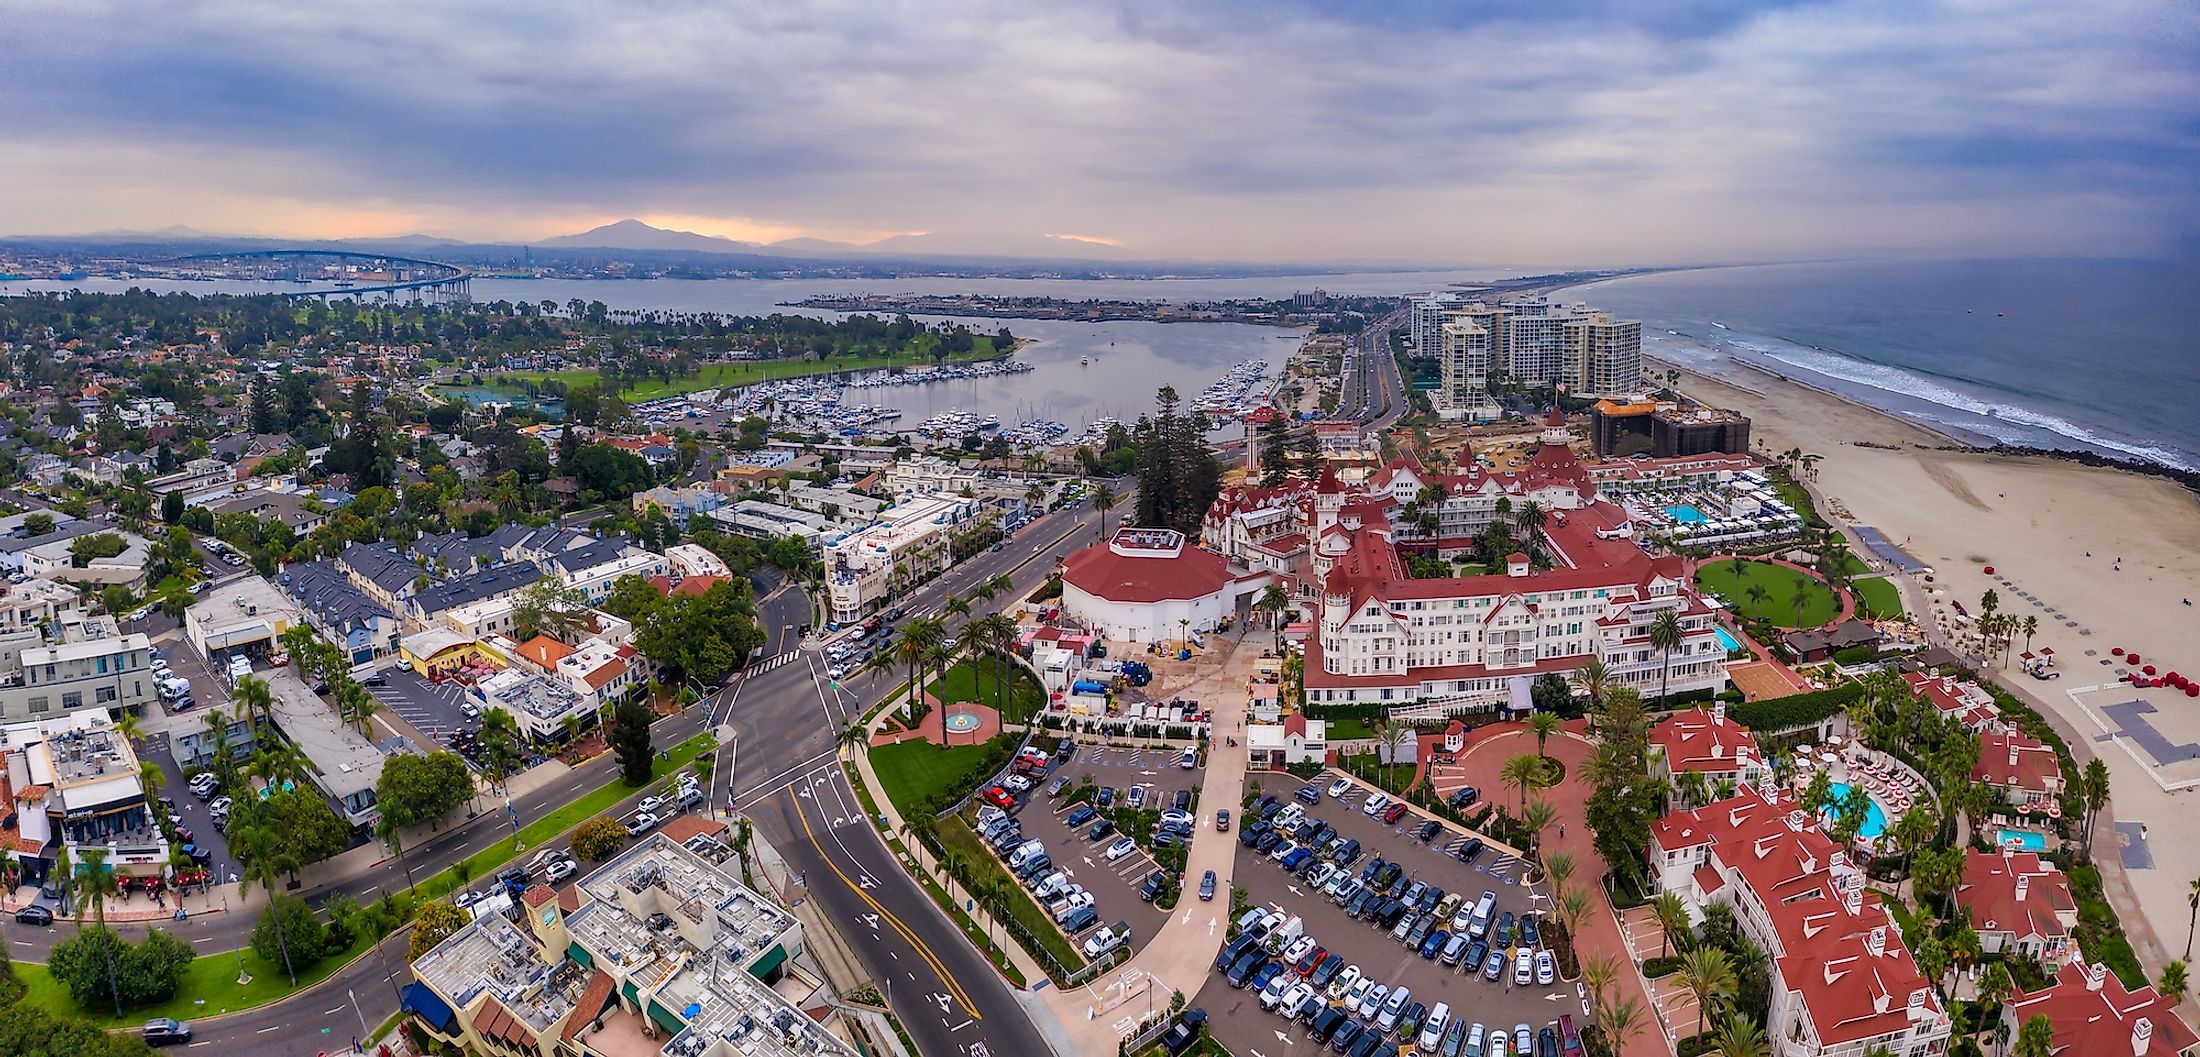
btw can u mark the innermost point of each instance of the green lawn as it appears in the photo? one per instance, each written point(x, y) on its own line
point(209, 986)
point(977, 683)
point(1779, 581)
point(956, 836)
point(720, 375)
point(1879, 597)
point(914, 771)
point(1349, 730)
point(486, 861)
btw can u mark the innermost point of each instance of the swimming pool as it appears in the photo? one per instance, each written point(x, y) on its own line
point(1686, 514)
point(2026, 839)
point(1727, 641)
point(1875, 820)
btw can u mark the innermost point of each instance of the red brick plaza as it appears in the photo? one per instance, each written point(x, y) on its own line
point(1480, 758)
point(962, 723)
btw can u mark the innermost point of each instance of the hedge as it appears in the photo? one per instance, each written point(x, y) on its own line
point(1652, 968)
point(1774, 715)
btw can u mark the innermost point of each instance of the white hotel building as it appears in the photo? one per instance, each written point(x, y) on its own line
point(903, 544)
point(1454, 644)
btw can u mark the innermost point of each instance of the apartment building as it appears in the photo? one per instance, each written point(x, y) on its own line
point(72, 783)
point(690, 559)
point(32, 605)
point(658, 951)
point(1842, 980)
point(41, 680)
point(1530, 340)
point(908, 542)
point(1469, 351)
point(341, 613)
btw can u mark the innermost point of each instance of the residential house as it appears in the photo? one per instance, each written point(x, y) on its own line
point(2019, 904)
point(1296, 740)
point(2022, 771)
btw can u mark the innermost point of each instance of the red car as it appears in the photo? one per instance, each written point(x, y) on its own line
point(999, 797)
point(1393, 813)
point(1311, 962)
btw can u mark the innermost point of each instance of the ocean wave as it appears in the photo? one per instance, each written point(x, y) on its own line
point(1911, 384)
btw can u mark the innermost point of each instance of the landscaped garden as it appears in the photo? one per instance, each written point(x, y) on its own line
point(923, 778)
point(978, 682)
point(1780, 595)
point(1878, 597)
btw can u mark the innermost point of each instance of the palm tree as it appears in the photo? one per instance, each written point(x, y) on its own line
point(2192, 899)
point(1665, 637)
point(1757, 595)
point(1273, 601)
point(2174, 982)
point(2093, 790)
point(1740, 1036)
point(1672, 918)
point(1707, 974)
point(1596, 681)
point(2036, 1038)
point(2030, 627)
point(258, 701)
point(958, 606)
point(1598, 971)
point(1184, 631)
point(92, 883)
point(1103, 497)
point(1521, 772)
point(1573, 905)
point(1559, 867)
point(1543, 725)
point(364, 708)
point(392, 834)
point(1621, 1019)
point(1538, 817)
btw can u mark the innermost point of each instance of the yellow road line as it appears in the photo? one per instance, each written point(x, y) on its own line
point(916, 944)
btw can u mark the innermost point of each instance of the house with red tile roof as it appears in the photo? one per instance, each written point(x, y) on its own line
point(2093, 1015)
point(1706, 742)
point(1965, 702)
point(2019, 904)
point(2019, 768)
point(1842, 980)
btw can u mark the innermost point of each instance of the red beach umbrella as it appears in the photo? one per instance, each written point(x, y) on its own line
point(2149, 669)
point(2191, 690)
point(1989, 570)
point(2132, 657)
point(2118, 651)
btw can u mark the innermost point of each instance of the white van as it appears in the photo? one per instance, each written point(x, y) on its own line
point(174, 688)
point(1432, 1029)
point(1024, 853)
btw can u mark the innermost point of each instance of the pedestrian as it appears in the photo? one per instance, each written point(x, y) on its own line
point(1561, 829)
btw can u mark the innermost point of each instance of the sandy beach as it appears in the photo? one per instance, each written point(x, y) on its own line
point(2034, 520)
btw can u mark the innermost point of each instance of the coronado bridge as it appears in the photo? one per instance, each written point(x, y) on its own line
point(435, 281)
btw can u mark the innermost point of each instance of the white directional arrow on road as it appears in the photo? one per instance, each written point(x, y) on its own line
point(1294, 889)
point(1210, 926)
point(1286, 1039)
point(1187, 915)
point(1088, 860)
point(1554, 996)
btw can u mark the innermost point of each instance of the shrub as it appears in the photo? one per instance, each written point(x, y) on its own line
point(598, 839)
point(435, 923)
point(1652, 968)
point(1778, 714)
point(1854, 655)
point(143, 973)
point(288, 928)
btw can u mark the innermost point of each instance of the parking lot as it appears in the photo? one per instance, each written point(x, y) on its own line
point(1236, 1015)
point(176, 787)
point(434, 709)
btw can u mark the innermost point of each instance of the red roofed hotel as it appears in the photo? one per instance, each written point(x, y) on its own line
point(2019, 904)
point(1842, 981)
point(1707, 743)
point(1148, 585)
point(1967, 703)
point(2020, 769)
point(1455, 643)
point(2093, 1014)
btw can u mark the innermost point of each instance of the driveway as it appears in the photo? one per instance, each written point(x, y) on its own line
point(175, 786)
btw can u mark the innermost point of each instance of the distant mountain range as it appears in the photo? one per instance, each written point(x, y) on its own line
point(633, 234)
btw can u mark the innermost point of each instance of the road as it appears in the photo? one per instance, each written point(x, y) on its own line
point(790, 783)
point(1374, 393)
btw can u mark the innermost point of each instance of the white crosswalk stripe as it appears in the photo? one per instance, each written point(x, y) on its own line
point(769, 663)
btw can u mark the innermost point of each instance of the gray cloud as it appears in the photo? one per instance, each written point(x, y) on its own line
point(1585, 132)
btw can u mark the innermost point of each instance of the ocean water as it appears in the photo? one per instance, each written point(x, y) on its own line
point(2098, 355)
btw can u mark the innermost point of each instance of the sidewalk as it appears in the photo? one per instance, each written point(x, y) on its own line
point(140, 907)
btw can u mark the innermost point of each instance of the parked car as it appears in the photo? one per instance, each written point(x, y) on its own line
point(34, 914)
point(1081, 815)
point(1123, 846)
point(1155, 882)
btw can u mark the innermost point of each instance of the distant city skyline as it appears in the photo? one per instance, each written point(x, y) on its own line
point(1564, 134)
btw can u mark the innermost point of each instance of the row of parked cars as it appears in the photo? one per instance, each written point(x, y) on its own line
point(1066, 901)
point(1351, 1013)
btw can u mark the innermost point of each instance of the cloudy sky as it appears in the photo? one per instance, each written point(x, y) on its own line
point(1570, 132)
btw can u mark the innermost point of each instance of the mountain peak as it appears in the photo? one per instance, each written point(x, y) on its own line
point(632, 234)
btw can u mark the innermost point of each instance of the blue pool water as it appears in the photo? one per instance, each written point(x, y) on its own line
point(2027, 839)
point(1686, 514)
point(1727, 641)
point(1875, 822)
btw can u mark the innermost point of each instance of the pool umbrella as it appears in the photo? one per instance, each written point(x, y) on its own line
point(2054, 810)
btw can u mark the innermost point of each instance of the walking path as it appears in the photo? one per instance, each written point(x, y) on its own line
point(1097, 1015)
